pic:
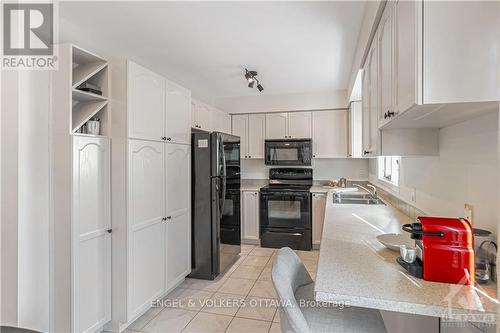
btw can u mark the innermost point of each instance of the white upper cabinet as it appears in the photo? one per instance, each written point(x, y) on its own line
point(385, 65)
point(442, 73)
point(330, 134)
point(299, 124)
point(202, 116)
point(158, 109)
point(178, 221)
point(355, 130)
point(220, 121)
point(277, 125)
point(178, 113)
point(370, 114)
point(461, 57)
point(405, 54)
point(146, 103)
point(256, 135)
point(240, 128)
point(287, 125)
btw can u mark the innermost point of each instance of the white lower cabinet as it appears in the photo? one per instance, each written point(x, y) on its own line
point(159, 220)
point(250, 216)
point(91, 245)
point(318, 216)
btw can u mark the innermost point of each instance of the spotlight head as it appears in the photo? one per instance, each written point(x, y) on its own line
point(260, 87)
point(251, 83)
point(248, 76)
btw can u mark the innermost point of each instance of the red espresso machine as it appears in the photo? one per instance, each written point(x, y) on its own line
point(445, 250)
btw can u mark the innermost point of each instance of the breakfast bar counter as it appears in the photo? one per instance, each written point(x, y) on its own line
point(355, 269)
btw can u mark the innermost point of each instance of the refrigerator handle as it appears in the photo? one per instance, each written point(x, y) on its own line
point(223, 176)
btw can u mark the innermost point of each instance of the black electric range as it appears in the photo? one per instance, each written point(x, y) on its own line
point(285, 209)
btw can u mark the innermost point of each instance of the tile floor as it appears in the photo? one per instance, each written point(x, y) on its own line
point(239, 300)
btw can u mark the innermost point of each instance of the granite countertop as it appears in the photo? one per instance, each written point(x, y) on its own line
point(354, 267)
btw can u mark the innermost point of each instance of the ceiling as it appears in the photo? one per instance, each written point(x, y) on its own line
point(297, 47)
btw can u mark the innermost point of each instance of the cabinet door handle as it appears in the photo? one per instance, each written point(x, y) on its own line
point(367, 152)
point(109, 231)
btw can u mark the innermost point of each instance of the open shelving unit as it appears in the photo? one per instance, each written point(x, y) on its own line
point(87, 67)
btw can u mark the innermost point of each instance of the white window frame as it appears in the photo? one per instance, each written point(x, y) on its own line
point(389, 170)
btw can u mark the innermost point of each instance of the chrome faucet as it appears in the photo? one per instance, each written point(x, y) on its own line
point(372, 193)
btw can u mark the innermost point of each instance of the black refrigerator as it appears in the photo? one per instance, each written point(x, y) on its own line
point(216, 215)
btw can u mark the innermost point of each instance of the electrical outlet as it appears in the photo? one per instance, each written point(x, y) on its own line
point(468, 211)
point(413, 194)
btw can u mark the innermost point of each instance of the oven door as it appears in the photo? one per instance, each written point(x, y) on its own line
point(285, 210)
point(288, 152)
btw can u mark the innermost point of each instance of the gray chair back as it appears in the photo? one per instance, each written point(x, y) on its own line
point(288, 274)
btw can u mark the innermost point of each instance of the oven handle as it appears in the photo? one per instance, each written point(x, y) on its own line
point(285, 233)
point(290, 194)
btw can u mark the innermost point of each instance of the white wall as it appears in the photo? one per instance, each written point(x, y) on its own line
point(465, 172)
point(323, 169)
point(289, 102)
point(34, 194)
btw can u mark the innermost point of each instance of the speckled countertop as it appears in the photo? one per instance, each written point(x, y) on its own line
point(354, 267)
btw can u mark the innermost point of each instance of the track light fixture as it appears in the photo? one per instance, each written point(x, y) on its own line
point(250, 76)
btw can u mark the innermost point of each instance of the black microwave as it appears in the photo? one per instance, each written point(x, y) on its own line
point(288, 152)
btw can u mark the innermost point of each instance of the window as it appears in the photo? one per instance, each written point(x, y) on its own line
point(388, 169)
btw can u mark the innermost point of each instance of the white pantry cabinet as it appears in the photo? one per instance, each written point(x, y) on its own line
point(81, 243)
point(437, 81)
point(318, 216)
point(159, 220)
point(91, 239)
point(202, 116)
point(250, 216)
point(287, 125)
point(158, 109)
point(150, 203)
point(251, 130)
point(178, 210)
point(330, 134)
point(146, 218)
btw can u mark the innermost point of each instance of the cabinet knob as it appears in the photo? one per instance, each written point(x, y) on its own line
point(314, 155)
point(164, 219)
point(109, 231)
point(249, 156)
point(367, 152)
point(164, 138)
point(169, 217)
point(169, 139)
